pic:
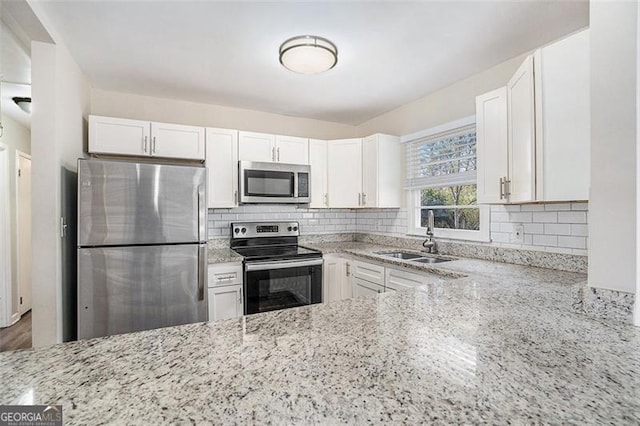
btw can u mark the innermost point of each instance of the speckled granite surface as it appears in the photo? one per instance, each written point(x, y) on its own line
point(222, 255)
point(605, 304)
point(499, 346)
point(541, 259)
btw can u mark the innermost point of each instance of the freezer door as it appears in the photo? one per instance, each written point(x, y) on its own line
point(123, 203)
point(125, 289)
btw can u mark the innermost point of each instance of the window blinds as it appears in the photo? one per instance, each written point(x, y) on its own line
point(443, 159)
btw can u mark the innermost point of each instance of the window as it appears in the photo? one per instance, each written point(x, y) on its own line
point(441, 176)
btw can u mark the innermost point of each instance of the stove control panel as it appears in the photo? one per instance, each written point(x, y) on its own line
point(264, 229)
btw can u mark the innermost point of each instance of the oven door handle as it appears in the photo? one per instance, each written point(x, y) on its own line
point(266, 266)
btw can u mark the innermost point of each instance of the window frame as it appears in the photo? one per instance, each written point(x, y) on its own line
point(414, 194)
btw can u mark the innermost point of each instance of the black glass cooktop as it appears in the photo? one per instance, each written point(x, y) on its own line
point(276, 252)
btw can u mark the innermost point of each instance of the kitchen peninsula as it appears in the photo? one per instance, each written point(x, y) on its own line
point(499, 345)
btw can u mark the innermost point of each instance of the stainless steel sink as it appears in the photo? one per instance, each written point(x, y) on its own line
point(400, 254)
point(421, 258)
point(430, 260)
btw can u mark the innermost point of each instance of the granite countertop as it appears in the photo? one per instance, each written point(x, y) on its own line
point(215, 255)
point(500, 345)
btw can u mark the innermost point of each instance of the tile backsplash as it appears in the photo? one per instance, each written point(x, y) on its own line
point(554, 227)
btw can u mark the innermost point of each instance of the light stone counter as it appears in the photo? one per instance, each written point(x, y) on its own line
point(498, 346)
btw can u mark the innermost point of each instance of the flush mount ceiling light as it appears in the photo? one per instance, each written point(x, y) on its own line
point(308, 54)
point(23, 103)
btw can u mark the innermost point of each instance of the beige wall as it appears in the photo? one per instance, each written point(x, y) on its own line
point(61, 96)
point(612, 204)
point(448, 104)
point(17, 138)
point(127, 105)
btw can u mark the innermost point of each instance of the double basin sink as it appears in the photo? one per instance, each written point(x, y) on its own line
point(413, 257)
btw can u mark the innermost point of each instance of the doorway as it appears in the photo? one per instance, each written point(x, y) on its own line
point(5, 240)
point(23, 230)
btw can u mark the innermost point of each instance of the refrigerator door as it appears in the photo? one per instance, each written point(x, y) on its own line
point(124, 203)
point(125, 289)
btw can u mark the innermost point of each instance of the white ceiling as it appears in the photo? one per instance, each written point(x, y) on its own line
point(15, 74)
point(226, 53)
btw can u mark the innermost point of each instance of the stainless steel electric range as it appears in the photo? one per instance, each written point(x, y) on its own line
point(278, 273)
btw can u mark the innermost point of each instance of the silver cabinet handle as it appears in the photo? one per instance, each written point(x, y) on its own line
point(240, 298)
point(507, 187)
point(326, 199)
point(364, 199)
point(273, 154)
point(227, 278)
point(153, 146)
point(278, 151)
point(348, 269)
point(144, 145)
point(235, 196)
point(502, 181)
point(359, 198)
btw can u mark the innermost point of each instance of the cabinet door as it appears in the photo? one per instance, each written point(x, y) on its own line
point(177, 141)
point(365, 288)
point(256, 147)
point(521, 116)
point(563, 131)
point(370, 171)
point(292, 150)
point(344, 162)
point(225, 302)
point(318, 163)
point(118, 136)
point(491, 145)
point(332, 274)
point(222, 167)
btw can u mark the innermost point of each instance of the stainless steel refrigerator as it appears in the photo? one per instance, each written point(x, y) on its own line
point(142, 255)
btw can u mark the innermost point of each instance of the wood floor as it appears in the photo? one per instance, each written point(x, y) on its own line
point(18, 336)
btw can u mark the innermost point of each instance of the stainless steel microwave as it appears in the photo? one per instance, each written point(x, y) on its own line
point(274, 182)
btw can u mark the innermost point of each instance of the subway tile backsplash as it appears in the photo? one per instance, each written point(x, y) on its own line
point(559, 227)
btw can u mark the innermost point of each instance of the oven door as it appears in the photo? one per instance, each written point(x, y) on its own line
point(270, 286)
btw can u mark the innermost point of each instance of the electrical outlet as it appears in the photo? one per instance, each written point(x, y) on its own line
point(518, 234)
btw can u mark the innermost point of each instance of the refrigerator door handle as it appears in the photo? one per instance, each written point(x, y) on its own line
point(202, 270)
point(202, 211)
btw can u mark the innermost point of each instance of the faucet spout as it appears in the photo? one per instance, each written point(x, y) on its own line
point(429, 244)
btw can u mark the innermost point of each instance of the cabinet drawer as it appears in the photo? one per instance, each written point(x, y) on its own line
point(225, 274)
point(368, 272)
point(365, 288)
point(398, 280)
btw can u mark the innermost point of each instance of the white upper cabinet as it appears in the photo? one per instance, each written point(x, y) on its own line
point(319, 173)
point(563, 130)
point(273, 149)
point(222, 166)
point(547, 128)
point(292, 150)
point(256, 147)
point(177, 141)
point(521, 131)
point(381, 171)
point(344, 158)
point(491, 146)
point(118, 136)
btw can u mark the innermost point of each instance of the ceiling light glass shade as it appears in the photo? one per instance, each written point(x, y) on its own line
point(23, 103)
point(308, 54)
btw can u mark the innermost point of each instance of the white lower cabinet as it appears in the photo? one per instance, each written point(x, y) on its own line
point(225, 294)
point(365, 288)
point(368, 272)
point(335, 281)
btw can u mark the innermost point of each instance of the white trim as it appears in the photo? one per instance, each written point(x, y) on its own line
point(636, 310)
point(462, 122)
point(5, 240)
point(483, 235)
point(24, 155)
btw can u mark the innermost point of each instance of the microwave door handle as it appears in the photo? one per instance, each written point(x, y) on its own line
point(295, 185)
